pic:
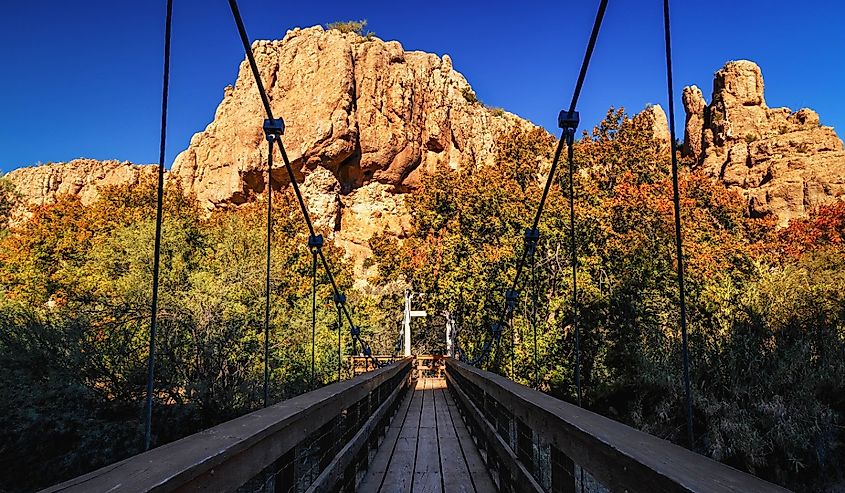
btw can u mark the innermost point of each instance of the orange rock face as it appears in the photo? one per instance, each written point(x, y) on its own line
point(786, 163)
point(40, 185)
point(364, 118)
point(364, 109)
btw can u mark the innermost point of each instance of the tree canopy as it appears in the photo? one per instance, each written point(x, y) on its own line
point(766, 307)
point(766, 318)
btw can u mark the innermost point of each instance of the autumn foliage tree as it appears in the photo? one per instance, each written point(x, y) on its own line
point(75, 292)
point(766, 307)
point(766, 323)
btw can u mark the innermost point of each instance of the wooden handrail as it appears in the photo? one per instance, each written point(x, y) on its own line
point(618, 456)
point(228, 455)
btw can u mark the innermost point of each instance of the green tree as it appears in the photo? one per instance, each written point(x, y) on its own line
point(8, 200)
point(75, 314)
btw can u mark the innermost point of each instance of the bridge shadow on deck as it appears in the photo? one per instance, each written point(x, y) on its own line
point(427, 448)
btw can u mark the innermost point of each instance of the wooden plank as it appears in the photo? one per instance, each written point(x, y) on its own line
point(456, 475)
point(400, 470)
point(427, 475)
point(378, 467)
point(475, 464)
point(427, 416)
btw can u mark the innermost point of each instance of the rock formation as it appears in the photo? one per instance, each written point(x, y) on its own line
point(362, 108)
point(786, 163)
point(659, 124)
point(39, 185)
point(363, 119)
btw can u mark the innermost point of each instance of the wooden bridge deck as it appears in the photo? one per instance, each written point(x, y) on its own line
point(427, 448)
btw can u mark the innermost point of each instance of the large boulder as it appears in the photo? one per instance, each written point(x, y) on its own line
point(786, 163)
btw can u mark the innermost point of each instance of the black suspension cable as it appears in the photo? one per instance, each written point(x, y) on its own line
point(582, 75)
point(573, 253)
point(679, 251)
point(233, 4)
point(534, 290)
point(148, 407)
point(568, 121)
point(513, 347)
point(339, 352)
point(356, 331)
point(339, 301)
point(572, 105)
point(236, 13)
point(313, 315)
point(270, 138)
point(265, 100)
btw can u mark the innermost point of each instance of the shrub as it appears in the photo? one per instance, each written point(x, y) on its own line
point(469, 95)
point(496, 111)
point(356, 27)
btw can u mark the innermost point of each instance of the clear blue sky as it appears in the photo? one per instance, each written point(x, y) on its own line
point(83, 79)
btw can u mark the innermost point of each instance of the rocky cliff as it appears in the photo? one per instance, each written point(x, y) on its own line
point(363, 119)
point(39, 185)
point(786, 163)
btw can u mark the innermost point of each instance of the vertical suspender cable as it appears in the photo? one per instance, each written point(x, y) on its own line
point(679, 251)
point(270, 139)
point(513, 347)
point(534, 319)
point(313, 315)
point(573, 252)
point(148, 408)
point(339, 352)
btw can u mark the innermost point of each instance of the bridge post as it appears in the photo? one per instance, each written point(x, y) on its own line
point(450, 334)
point(406, 322)
point(406, 325)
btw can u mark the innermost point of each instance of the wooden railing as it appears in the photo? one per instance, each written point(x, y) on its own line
point(533, 442)
point(364, 364)
point(319, 441)
point(430, 365)
point(425, 365)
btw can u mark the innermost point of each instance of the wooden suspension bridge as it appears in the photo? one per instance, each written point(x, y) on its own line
point(394, 430)
point(419, 424)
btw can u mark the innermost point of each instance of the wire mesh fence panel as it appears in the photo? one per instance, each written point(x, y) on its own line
point(303, 467)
